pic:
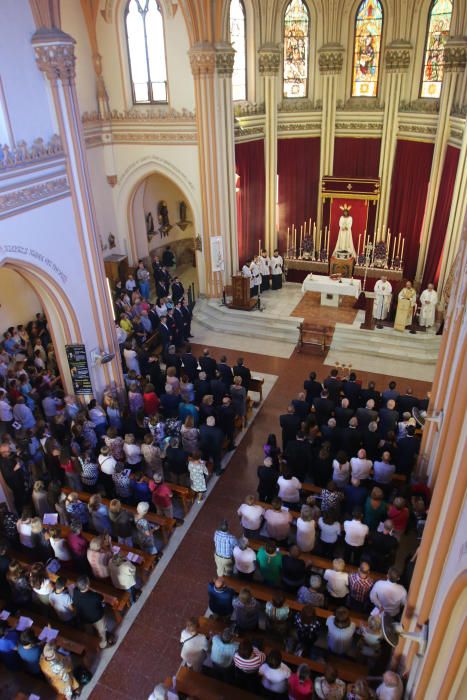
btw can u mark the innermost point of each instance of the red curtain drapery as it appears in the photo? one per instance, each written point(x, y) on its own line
point(298, 171)
point(358, 212)
point(410, 177)
point(356, 157)
point(251, 186)
point(441, 217)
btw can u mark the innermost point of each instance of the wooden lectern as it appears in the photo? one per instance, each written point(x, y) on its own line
point(369, 322)
point(241, 294)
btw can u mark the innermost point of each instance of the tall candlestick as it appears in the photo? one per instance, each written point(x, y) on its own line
point(259, 247)
point(398, 245)
point(388, 246)
point(301, 235)
point(288, 235)
point(358, 249)
point(394, 250)
point(402, 250)
point(364, 241)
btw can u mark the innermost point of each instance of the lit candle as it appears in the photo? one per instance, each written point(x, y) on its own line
point(301, 236)
point(394, 248)
point(402, 250)
point(358, 249)
point(388, 246)
point(364, 239)
point(288, 236)
point(398, 245)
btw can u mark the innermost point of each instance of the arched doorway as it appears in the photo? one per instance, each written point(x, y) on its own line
point(39, 289)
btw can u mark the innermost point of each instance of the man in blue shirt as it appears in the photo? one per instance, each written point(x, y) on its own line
point(222, 651)
point(220, 598)
point(224, 543)
point(8, 644)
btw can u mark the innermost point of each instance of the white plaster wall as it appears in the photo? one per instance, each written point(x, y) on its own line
point(160, 188)
point(18, 301)
point(73, 23)
point(103, 200)
point(24, 85)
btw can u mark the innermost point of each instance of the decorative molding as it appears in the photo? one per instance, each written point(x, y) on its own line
point(331, 59)
point(154, 137)
point(225, 57)
point(241, 132)
point(32, 195)
point(249, 109)
point(417, 129)
point(269, 60)
point(397, 56)
point(455, 55)
point(299, 105)
point(23, 154)
point(358, 126)
point(299, 126)
point(107, 12)
point(55, 54)
point(202, 60)
point(459, 111)
point(143, 115)
point(456, 135)
point(360, 104)
point(420, 105)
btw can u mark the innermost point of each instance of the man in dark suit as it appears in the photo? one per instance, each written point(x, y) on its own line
point(290, 424)
point(370, 393)
point(351, 438)
point(202, 387)
point(153, 317)
point(208, 364)
point(190, 364)
point(370, 440)
point(298, 455)
point(226, 421)
point(407, 450)
point(333, 385)
point(178, 290)
point(324, 407)
point(165, 334)
point(225, 372)
point(179, 321)
point(313, 388)
point(211, 439)
point(351, 389)
point(366, 415)
point(241, 371)
point(173, 360)
point(187, 318)
point(170, 403)
point(343, 413)
point(332, 434)
point(301, 407)
point(406, 402)
point(388, 418)
point(217, 388)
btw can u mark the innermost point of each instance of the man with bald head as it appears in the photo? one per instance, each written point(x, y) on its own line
point(388, 417)
point(220, 598)
point(343, 413)
point(366, 415)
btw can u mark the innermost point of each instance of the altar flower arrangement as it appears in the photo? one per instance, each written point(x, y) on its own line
point(380, 258)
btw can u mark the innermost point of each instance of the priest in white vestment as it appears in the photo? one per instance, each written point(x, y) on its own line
point(428, 301)
point(383, 294)
point(345, 240)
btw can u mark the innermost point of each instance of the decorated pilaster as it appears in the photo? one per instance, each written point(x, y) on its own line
point(330, 60)
point(454, 67)
point(269, 59)
point(397, 62)
point(212, 71)
point(55, 57)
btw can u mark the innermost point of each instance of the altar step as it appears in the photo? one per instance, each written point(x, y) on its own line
point(210, 314)
point(385, 351)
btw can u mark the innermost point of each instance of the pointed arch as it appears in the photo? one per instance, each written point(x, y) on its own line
point(144, 25)
point(367, 48)
point(296, 38)
point(438, 26)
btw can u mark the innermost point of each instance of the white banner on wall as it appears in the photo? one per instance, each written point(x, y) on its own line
point(217, 254)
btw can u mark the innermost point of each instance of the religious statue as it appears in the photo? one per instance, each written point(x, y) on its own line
point(182, 211)
point(111, 239)
point(164, 215)
point(383, 293)
point(428, 301)
point(149, 223)
point(344, 240)
point(407, 302)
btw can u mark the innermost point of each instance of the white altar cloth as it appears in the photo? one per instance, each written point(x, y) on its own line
point(330, 289)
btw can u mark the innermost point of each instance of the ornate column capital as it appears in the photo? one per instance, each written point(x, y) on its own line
point(269, 59)
point(398, 56)
point(55, 54)
point(202, 59)
point(455, 55)
point(225, 57)
point(331, 59)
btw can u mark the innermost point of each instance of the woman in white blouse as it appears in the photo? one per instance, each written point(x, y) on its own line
point(341, 470)
point(289, 489)
point(306, 529)
point(341, 630)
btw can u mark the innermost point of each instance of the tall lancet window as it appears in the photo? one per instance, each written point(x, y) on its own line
point(238, 39)
point(296, 49)
point(146, 49)
point(367, 48)
point(439, 23)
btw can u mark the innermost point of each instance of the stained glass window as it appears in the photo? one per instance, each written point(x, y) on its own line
point(237, 37)
point(145, 33)
point(367, 51)
point(433, 64)
point(296, 45)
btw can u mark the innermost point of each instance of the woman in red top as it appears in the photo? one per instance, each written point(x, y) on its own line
point(300, 684)
point(399, 514)
point(150, 401)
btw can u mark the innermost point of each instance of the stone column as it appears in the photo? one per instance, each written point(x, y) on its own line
point(269, 59)
point(397, 62)
point(454, 66)
point(330, 60)
point(212, 70)
point(55, 57)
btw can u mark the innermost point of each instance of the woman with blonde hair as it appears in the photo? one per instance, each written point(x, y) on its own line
point(306, 529)
point(172, 380)
point(190, 436)
point(40, 499)
point(152, 455)
point(369, 644)
point(132, 450)
point(114, 415)
point(238, 395)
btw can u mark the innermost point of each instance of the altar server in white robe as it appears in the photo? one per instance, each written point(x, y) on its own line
point(246, 272)
point(277, 266)
point(428, 301)
point(383, 293)
point(256, 276)
point(265, 269)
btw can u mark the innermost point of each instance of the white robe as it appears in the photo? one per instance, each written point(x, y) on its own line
point(246, 272)
point(428, 301)
point(345, 240)
point(383, 292)
point(255, 274)
point(277, 264)
point(264, 265)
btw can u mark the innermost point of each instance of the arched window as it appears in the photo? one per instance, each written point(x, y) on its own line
point(439, 21)
point(367, 48)
point(146, 49)
point(238, 39)
point(296, 48)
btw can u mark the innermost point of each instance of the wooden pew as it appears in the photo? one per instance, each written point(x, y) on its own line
point(256, 384)
point(264, 593)
point(184, 494)
point(166, 525)
point(197, 685)
point(347, 670)
point(319, 562)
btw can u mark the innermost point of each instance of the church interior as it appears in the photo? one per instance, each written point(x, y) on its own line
point(233, 279)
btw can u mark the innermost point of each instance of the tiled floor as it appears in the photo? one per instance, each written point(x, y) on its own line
point(150, 651)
